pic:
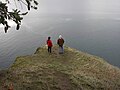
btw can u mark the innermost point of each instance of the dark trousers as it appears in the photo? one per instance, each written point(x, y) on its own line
point(49, 49)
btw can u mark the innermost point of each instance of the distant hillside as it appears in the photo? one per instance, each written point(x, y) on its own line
point(73, 70)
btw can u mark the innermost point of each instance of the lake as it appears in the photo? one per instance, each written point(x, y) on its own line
point(95, 35)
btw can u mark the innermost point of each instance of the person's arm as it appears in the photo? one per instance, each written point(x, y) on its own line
point(58, 41)
point(51, 43)
point(63, 41)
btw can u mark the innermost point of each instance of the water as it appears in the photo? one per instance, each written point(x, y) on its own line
point(95, 35)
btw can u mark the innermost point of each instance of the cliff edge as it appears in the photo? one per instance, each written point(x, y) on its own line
point(73, 70)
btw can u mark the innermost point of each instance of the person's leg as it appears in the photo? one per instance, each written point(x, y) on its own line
point(59, 49)
point(50, 49)
point(62, 49)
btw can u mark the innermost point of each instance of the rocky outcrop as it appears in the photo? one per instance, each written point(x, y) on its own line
point(73, 70)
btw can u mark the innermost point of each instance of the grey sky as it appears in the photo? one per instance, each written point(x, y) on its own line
point(76, 6)
point(79, 6)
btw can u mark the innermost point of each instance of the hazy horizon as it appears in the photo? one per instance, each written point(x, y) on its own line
point(91, 26)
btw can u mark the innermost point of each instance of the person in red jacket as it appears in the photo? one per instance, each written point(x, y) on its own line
point(49, 44)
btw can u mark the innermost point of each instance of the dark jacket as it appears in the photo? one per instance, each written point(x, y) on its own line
point(60, 42)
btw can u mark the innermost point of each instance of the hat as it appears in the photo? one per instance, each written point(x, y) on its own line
point(60, 36)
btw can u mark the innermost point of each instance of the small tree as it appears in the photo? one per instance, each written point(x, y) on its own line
point(15, 15)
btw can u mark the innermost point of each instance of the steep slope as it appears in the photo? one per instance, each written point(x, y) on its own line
point(73, 70)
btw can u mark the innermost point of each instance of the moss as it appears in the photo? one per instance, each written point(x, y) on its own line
point(73, 70)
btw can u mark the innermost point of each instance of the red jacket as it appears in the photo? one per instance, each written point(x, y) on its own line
point(49, 43)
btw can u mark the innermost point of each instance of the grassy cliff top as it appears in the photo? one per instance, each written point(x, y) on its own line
point(73, 70)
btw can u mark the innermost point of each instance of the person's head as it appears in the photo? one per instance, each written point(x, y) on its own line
point(49, 38)
point(60, 36)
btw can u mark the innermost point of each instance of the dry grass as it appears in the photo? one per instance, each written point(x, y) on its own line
point(73, 70)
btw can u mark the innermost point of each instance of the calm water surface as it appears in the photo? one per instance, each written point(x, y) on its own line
point(95, 35)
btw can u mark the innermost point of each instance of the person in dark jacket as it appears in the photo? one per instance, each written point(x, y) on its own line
point(60, 42)
point(49, 44)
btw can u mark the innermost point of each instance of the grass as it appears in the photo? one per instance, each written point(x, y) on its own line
point(73, 70)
